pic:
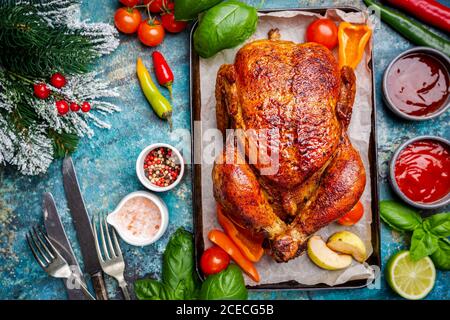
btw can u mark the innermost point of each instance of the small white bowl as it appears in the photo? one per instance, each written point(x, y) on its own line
point(141, 173)
point(120, 229)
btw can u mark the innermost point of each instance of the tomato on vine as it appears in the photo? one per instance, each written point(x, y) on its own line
point(170, 24)
point(127, 20)
point(151, 33)
point(129, 3)
point(156, 6)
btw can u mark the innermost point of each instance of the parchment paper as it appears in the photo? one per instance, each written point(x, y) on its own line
point(292, 26)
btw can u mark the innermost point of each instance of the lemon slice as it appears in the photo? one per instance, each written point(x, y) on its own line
point(410, 279)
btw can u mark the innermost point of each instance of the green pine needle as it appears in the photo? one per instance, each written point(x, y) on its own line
point(35, 42)
point(63, 143)
point(29, 46)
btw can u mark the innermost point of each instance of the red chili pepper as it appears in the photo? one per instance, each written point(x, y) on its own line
point(429, 11)
point(162, 70)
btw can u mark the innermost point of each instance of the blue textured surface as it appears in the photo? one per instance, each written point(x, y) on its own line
point(106, 169)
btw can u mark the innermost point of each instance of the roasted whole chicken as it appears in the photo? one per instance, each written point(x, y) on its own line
point(297, 95)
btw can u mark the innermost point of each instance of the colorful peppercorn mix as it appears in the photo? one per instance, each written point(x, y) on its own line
point(162, 167)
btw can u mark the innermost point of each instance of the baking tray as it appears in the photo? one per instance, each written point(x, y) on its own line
point(195, 101)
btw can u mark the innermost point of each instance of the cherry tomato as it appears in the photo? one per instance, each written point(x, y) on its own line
point(170, 6)
point(170, 24)
point(151, 33)
point(353, 216)
point(129, 3)
point(214, 260)
point(127, 20)
point(323, 31)
point(157, 6)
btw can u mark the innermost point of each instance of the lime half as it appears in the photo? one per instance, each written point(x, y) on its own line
point(410, 279)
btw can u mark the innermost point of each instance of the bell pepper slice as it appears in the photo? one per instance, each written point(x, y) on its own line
point(250, 245)
point(222, 240)
point(352, 41)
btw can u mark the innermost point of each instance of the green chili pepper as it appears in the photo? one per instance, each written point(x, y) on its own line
point(411, 30)
point(158, 102)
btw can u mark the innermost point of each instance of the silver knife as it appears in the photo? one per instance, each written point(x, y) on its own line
point(83, 228)
point(57, 235)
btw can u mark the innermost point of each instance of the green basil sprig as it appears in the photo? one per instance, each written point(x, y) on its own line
point(429, 235)
point(438, 224)
point(178, 264)
point(180, 281)
point(179, 278)
point(441, 257)
point(399, 217)
point(224, 26)
point(189, 9)
point(226, 285)
point(423, 244)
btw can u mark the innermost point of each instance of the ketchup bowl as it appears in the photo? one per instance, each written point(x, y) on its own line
point(420, 172)
point(416, 84)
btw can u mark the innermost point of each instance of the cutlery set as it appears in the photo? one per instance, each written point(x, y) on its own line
point(54, 254)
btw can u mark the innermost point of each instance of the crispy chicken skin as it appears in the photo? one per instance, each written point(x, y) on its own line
point(298, 95)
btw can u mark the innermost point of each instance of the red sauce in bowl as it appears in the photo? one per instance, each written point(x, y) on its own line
point(422, 170)
point(418, 84)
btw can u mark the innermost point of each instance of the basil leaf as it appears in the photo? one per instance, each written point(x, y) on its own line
point(179, 278)
point(226, 285)
point(178, 264)
point(438, 224)
point(148, 289)
point(441, 257)
point(224, 26)
point(398, 216)
point(423, 244)
point(189, 9)
point(178, 294)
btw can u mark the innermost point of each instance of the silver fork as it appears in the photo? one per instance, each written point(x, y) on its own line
point(51, 260)
point(111, 259)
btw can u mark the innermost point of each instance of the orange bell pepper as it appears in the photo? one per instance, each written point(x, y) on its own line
point(222, 240)
point(352, 41)
point(250, 246)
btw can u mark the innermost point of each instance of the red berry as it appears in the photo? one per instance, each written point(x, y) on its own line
point(58, 81)
point(62, 107)
point(41, 90)
point(74, 107)
point(85, 107)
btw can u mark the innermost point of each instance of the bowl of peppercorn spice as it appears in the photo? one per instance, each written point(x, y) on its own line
point(160, 167)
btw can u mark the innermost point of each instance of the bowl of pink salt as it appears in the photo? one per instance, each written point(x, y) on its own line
point(140, 219)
